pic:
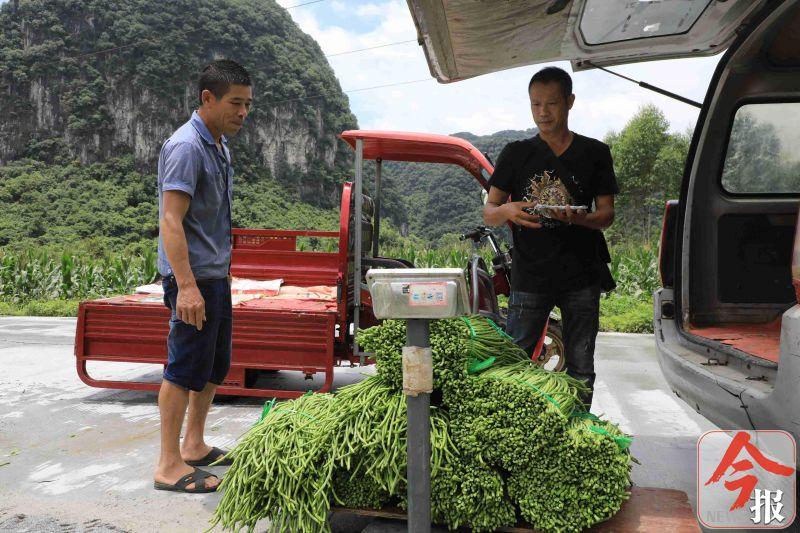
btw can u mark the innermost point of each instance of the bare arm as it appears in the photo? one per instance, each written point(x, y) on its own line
point(497, 211)
point(190, 307)
point(600, 218)
point(603, 215)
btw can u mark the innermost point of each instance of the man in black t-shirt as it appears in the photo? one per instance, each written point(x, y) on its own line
point(559, 255)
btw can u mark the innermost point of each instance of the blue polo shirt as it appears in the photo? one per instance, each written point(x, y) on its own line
point(190, 161)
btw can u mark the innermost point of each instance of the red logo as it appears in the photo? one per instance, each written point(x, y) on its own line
point(737, 468)
point(747, 483)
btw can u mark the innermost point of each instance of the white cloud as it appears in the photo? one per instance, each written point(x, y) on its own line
point(368, 10)
point(488, 103)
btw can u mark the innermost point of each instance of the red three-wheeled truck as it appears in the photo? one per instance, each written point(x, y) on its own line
point(308, 324)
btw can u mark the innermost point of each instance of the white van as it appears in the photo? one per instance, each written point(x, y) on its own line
point(727, 323)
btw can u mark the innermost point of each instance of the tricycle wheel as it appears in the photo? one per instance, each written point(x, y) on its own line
point(251, 376)
point(552, 356)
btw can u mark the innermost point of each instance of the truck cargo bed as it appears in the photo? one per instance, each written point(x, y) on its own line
point(263, 339)
point(303, 328)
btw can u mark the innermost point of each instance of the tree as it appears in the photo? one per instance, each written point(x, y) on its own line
point(668, 168)
point(636, 151)
point(752, 163)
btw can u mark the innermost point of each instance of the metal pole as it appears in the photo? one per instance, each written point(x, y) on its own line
point(357, 252)
point(377, 232)
point(645, 85)
point(419, 441)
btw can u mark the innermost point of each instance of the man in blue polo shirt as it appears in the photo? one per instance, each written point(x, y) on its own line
point(195, 178)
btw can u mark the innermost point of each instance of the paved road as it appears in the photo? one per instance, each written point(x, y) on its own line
point(81, 459)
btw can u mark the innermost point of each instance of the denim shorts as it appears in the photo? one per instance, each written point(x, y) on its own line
point(195, 358)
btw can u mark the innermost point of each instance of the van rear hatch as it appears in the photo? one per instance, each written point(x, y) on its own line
point(464, 38)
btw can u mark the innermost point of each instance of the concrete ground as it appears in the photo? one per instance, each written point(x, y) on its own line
point(79, 459)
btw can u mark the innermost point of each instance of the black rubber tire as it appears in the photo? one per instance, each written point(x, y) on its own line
point(251, 376)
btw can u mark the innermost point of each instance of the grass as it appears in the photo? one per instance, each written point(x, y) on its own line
point(44, 283)
point(626, 314)
point(621, 313)
point(618, 312)
point(40, 308)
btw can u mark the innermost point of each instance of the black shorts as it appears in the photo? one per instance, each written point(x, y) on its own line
point(197, 357)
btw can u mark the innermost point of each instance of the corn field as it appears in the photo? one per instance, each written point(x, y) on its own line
point(434, 258)
point(36, 275)
point(634, 266)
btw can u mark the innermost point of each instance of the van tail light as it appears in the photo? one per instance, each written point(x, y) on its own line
point(666, 246)
point(796, 260)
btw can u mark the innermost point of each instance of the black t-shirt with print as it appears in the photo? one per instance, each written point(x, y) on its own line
point(558, 256)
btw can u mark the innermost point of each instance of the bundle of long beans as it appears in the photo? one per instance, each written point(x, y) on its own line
point(471, 494)
point(372, 433)
point(282, 469)
point(507, 438)
point(348, 448)
point(386, 343)
point(487, 341)
point(372, 480)
point(561, 390)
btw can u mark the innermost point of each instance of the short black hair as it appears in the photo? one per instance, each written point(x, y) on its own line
point(553, 74)
point(219, 75)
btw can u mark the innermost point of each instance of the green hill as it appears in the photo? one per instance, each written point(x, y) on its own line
point(436, 200)
point(92, 80)
point(92, 88)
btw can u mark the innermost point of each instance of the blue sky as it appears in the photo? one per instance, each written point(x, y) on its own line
point(481, 105)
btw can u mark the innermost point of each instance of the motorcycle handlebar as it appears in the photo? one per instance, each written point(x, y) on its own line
point(475, 235)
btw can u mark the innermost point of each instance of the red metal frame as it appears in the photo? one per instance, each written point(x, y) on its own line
point(305, 341)
point(262, 339)
point(344, 349)
point(421, 147)
point(429, 148)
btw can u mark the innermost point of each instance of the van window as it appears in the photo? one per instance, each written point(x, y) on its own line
point(608, 21)
point(763, 153)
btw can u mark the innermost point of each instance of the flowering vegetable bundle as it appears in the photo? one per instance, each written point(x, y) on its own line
point(510, 441)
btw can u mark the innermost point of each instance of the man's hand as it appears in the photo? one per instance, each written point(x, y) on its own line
point(600, 218)
point(515, 214)
point(569, 215)
point(497, 211)
point(191, 308)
